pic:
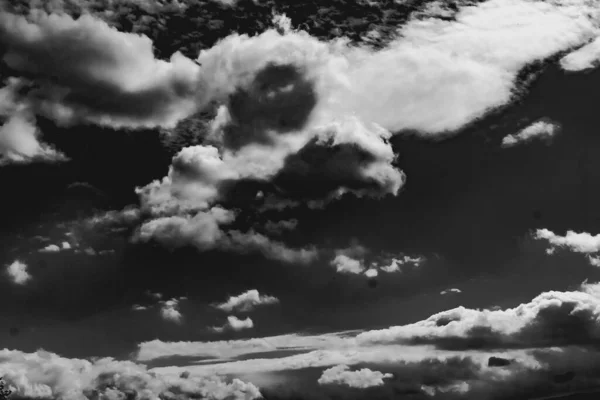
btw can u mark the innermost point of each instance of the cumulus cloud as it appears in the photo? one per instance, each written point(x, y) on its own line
point(19, 142)
point(48, 375)
point(347, 265)
point(295, 109)
point(17, 272)
point(53, 248)
point(371, 273)
point(578, 242)
point(246, 301)
point(363, 378)
point(586, 57)
point(540, 130)
point(169, 310)
point(234, 324)
point(86, 71)
point(551, 319)
point(395, 265)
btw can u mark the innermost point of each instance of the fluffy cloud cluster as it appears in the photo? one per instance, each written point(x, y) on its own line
point(350, 261)
point(578, 242)
point(47, 375)
point(363, 378)
point(290, 108)
point(234, 324)
point(17, 272)
point(540, 130)
point(550, 319)
point(53, 248)
point(246, 301)
point(169, 310)
point(82, 70)
point(345, 264)
point(19, 136)
point(85, 70)
point(547, 346)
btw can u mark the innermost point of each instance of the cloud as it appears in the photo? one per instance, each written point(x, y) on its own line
point(450, 291)
point(44, 374)
point(169, 310)
point(246, 301)
point(347, 265)
point(17, 271)
point(291, 108)
point(155, 349)
point(371, 273)
point(551, 319)
point(86, 71)
point(234, 324)
point(578, 242)
point(51, 248)
point(541, 130)
point(19, 142)
point(137, 307)
point(363, 378)
point(586, 57)
point(396, 263)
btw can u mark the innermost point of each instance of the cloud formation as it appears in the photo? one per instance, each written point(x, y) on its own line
point(234, 324)
point(86, 71)
point(361, 379)
point(584, 58)
point(347, 265)
point(551, 319)
point(17, 272)
point(44, 374)
point(246, 301)
point(578, 242)
point(540, 130)
point(169, 310)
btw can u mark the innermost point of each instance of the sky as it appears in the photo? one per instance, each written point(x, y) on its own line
point(291, 200)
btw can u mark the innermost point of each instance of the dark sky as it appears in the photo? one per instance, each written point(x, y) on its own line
point(470, 206)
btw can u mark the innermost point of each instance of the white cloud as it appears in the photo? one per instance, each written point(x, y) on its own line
point(363, 378)
point(541, 130)
point(347, 265)
point(396, 263)
point(51, 248)
point(586, 57)
point(450, 291)
point(19, 142)
point(47, 375)
point(111, 78)
point(435, 78)
point(234, 324)
point(169, 310)
point(233, 348)
point(137, 307)
point(246, 301)
point(17, 271)
point(371, 273)
point(578, 242)
point(571, 315)
point(66, 245)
